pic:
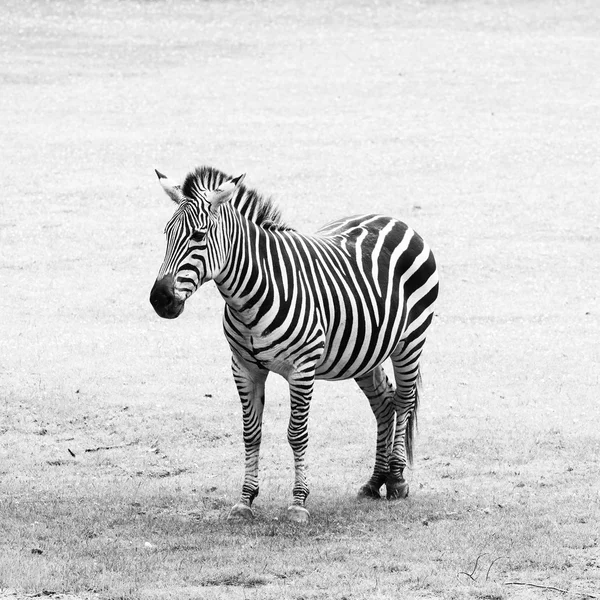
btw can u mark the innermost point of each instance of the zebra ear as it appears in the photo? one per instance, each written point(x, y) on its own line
point(172, 189)
point(225, 192)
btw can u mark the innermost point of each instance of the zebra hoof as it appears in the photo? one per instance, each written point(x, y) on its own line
point(397, 490)
point(240, 512)
point(368, 491)
point(297, 514)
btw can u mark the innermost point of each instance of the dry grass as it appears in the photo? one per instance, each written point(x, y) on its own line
point(477, 123)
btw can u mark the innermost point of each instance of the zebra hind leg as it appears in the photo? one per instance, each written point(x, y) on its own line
point(405, 400)
point(378, 389)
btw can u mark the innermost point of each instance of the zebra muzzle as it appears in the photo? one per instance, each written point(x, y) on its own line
point(163, 299)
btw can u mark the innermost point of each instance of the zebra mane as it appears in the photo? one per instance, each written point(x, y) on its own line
point(252, 205)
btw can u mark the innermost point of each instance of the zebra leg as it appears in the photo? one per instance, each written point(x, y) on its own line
point(301, 389)
point(378, 389)
point(405, 399)
point(251, 389)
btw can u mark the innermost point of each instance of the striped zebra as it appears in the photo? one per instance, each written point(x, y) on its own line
point(333, 305)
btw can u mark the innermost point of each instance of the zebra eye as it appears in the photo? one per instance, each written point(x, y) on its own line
point(197, 236)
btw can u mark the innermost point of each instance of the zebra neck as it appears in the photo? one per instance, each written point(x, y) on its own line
point(243, 281)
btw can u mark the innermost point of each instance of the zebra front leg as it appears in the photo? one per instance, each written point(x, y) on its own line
point(251, 389)
point(378, 389)
point(301, 389)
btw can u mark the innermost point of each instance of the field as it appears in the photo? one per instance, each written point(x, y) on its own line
point(478, 123)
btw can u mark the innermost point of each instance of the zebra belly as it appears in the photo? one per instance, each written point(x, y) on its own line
point(332, 362)
point(333, 370)
point(367, 346)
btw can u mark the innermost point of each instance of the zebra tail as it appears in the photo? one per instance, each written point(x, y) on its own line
point(411, 424)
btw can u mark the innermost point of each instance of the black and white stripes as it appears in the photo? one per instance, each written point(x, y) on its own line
point(333, 305)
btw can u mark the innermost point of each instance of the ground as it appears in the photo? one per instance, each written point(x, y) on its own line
point(120, 433)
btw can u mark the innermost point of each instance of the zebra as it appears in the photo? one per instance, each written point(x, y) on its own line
point(333, 305)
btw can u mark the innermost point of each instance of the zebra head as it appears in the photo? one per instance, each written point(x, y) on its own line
point(195, 242)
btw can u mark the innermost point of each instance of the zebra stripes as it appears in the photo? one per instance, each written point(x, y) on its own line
point(333, 305)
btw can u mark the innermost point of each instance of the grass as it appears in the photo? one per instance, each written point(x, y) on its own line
point(120, 433)
point(132, 522)
point(155, 547)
